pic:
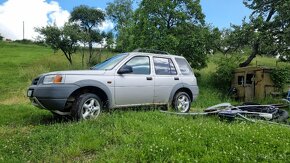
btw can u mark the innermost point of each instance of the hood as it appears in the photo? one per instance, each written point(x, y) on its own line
point(78, 72)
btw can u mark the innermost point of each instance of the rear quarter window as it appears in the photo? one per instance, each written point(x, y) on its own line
point(183, 66)
point(164, 66)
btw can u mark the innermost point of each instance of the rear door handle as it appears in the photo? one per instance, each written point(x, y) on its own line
point(176, 78)
point(149, 78)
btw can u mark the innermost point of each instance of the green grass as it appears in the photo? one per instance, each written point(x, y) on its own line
point(28, 134)
point(130, 136)
point(20, 63)
point(13, 58)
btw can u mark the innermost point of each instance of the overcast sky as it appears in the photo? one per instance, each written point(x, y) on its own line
point(39, 13)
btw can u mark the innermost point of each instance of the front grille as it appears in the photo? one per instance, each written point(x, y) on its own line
point(35, 81)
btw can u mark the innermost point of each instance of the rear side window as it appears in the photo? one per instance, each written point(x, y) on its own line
point(164, 66)
point(184, 66)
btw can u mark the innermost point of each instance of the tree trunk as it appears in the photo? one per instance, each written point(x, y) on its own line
point(100, 55)
point(83, 55)
point(255, 50)
point(90, 52)
point(256, 46)
point(69, 59)
point(67, 55)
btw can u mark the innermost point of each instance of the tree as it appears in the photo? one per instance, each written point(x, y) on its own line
point(231, 39)
point(84, 39)
point(121, 13)
point(88, 19)
point(65, 38)
point(269, 24)
point(176, 26)
point(110, 40)
point(1, 37)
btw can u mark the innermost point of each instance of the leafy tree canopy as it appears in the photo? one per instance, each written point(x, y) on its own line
point(120, 12)
point(176, 26)
point(65, 39)
point(269, 24)
point(87, 17)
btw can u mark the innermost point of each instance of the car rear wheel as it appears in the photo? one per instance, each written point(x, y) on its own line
point(182, 102)
point(86, 106)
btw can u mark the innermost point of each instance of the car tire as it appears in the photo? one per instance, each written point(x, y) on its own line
point(86, 106)
point(181, 102)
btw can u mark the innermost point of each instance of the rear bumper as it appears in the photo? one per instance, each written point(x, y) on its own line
point(50, 97)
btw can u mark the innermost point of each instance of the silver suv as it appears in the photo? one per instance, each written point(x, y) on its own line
point(125, 80)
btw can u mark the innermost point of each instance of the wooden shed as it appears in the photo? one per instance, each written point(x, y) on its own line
point(253, 83)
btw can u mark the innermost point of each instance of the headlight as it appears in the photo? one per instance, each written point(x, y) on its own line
point(56, 79)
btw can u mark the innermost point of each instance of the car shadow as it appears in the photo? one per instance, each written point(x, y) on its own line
point(48, 120)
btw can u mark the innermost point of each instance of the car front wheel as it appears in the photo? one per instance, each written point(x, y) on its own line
point(86, 106)
point(182, 102)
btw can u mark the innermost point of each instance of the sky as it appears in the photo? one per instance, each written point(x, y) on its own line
point(39, 13)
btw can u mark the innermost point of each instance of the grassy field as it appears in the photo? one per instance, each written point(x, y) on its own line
point(33, 135)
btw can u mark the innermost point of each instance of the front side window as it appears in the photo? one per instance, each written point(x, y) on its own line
point(164, 66)
point(139, 64)
point(184, 66)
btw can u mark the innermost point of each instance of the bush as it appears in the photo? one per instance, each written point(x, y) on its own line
point(280, 77)
point(24, 41)
point(224, 73)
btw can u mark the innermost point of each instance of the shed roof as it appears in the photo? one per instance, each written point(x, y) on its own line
point(252, 68)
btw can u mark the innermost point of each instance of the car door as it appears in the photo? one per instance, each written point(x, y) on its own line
point(137, 87)
point(166, 78)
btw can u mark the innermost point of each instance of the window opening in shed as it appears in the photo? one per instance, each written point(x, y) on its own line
point(240, 80)
point(249, 78)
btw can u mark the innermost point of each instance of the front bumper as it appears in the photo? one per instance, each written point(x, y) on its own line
point(51, 97)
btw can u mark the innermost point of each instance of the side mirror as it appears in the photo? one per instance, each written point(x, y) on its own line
point(125, 69)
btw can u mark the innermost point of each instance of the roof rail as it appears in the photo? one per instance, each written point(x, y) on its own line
point(151, 51)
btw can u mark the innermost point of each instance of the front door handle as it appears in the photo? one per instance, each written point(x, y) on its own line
point(149, 78)
point(176, 78)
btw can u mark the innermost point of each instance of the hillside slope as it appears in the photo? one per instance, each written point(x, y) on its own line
point(33, 135)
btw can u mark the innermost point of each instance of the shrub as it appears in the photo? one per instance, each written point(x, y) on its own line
point(24, 41)
point(280, 77)
point(224, 73)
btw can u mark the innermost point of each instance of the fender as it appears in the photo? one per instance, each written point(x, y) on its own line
point(173, 91)
point(194, 90)
point(93, 83)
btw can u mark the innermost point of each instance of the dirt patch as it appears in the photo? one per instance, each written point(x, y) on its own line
point(15, 100)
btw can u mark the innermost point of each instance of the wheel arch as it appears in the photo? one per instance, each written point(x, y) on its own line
point(180, 88)
point(95, 87)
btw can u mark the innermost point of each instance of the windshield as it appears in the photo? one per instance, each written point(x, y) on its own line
point(109, 63)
